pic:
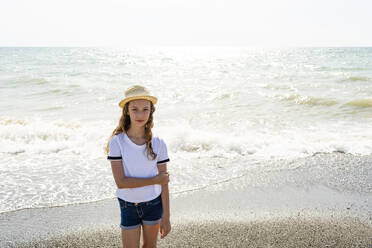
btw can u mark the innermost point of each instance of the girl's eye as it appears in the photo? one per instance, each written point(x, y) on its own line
point(144, 110)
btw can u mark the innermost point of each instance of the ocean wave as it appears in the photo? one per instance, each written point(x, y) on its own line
point(11, 121)
point(8, 120)
point(327, 68)
point(363, 103)
point(50, 108)
point(356, 79)
point(255, 143)
point(37, 136)
point(46, 92)
point(225, 96)
point(25, 80)
point(308, 100)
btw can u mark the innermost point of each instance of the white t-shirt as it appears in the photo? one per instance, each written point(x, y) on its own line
point(137, 164)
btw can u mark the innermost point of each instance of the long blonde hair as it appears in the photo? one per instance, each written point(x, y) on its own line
point(124, 125)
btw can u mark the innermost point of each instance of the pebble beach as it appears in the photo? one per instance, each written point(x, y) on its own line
point(226, 214)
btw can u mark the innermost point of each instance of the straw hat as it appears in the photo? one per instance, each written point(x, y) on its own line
point(137, 92)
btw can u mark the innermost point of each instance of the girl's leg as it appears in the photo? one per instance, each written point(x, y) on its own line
point(150, 235)
point(131, 238)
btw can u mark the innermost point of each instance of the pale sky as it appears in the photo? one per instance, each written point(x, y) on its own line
point(186, 23)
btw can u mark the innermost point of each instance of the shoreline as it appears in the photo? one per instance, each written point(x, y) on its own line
point(256, 225)
point(233, 213)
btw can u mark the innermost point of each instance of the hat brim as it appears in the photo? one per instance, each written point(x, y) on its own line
point(150, 98)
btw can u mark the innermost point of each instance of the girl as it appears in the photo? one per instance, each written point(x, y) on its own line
point(138, 163)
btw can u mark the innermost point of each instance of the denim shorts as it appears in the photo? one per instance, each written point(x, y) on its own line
point(134, 215)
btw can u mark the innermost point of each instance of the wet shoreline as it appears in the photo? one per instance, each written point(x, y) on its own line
point(235, 213)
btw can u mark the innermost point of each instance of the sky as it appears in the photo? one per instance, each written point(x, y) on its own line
point(115, 23)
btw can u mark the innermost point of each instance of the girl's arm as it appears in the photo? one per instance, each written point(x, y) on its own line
point(132, 182)
point(165, 226)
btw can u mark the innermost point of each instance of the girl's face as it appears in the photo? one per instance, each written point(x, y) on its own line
point(139, 112)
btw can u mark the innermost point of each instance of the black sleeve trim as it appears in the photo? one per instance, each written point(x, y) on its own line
point(163, 161)
point(114, 158)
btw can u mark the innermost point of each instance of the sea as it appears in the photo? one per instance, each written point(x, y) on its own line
point(222, 111)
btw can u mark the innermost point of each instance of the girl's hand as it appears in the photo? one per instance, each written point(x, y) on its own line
point(165, 227)
point(163, 178)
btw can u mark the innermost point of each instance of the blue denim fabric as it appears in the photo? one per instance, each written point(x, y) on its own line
point(132, 215)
